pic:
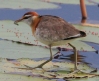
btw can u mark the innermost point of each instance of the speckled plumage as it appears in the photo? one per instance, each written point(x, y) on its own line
point(54, 29)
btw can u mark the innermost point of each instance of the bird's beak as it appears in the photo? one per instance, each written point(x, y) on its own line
point(19, 20)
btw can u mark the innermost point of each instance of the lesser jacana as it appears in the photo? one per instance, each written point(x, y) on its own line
point(51, 30)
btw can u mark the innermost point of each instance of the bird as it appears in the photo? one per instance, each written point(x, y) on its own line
point(52, 31)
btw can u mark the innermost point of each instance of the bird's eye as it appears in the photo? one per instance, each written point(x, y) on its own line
point(26, 17)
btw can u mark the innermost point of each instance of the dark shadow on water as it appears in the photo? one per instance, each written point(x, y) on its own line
point(71, 57)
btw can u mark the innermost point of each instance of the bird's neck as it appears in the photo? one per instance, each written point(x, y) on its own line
point(34, 24)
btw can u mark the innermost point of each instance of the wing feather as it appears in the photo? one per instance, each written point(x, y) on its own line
point(54, 28)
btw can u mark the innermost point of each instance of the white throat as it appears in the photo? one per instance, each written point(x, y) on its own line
point(30, 20)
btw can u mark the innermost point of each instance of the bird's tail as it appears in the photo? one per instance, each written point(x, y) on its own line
point(82, 34)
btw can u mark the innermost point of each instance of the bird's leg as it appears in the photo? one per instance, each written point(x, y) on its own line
point(51, 57)
point(75, 54)
point(75, 65)
point(41, 65)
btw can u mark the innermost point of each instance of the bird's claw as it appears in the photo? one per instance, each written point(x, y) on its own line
point(77, 70)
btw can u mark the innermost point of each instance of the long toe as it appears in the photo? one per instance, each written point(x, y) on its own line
point(77, 71)
point(37, 69)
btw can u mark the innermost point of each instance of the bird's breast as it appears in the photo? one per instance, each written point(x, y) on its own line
point(34, 24)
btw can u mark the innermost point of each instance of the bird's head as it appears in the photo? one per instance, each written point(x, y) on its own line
point(27, 18)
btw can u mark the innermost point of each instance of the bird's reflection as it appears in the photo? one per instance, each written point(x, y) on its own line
point(71, 57)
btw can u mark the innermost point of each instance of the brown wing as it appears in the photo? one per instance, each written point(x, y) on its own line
point(54, 28)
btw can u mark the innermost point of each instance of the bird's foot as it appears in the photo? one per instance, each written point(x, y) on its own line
point(77, 71)
point(38, 68)
point(27, 68)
